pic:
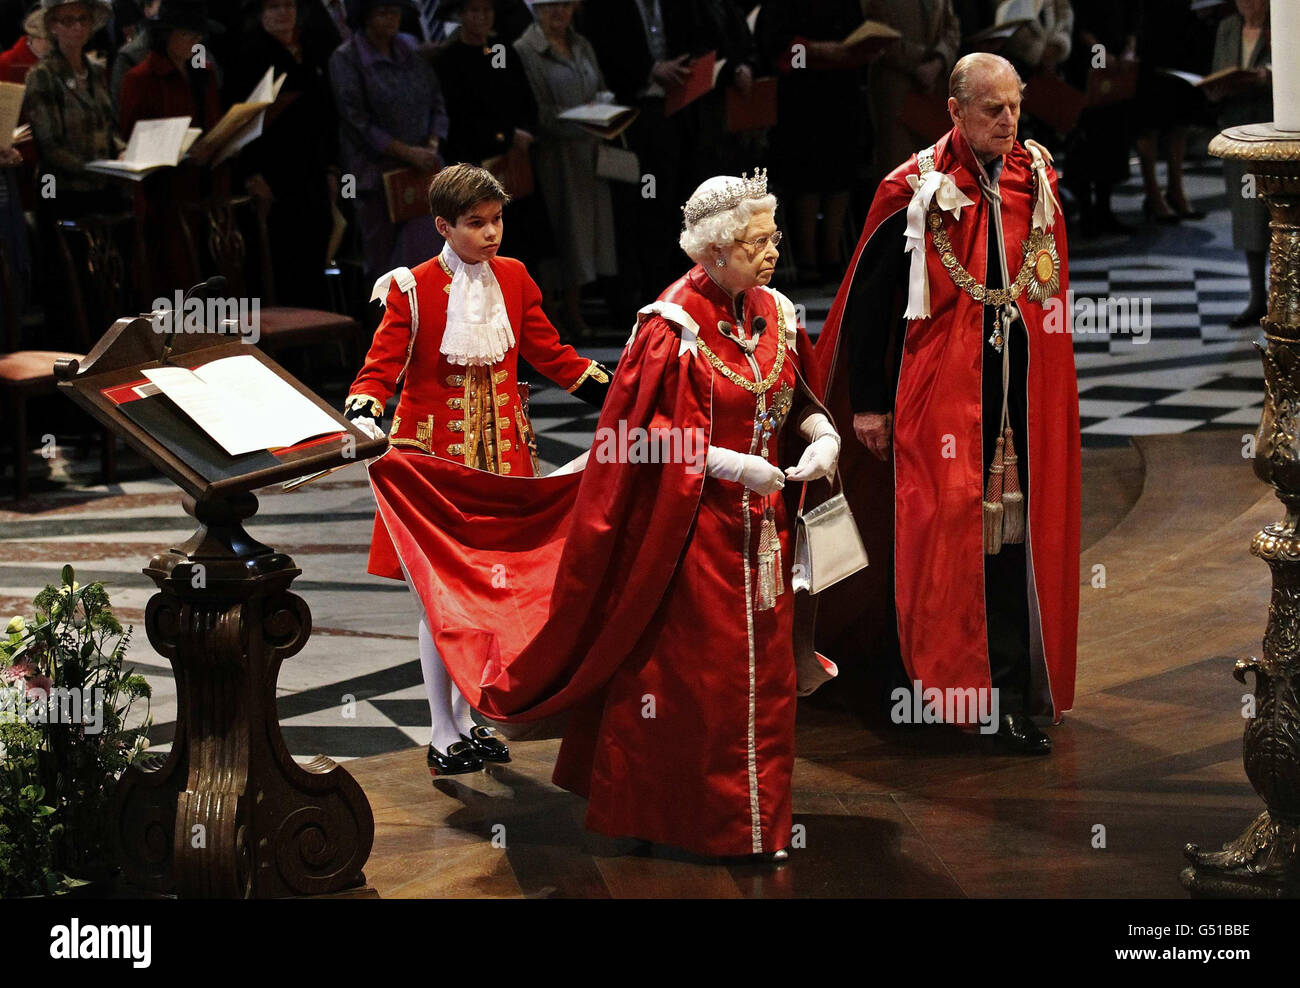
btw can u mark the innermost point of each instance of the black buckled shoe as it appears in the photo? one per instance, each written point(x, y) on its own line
point(459, 759)
point(487, 745)
point(1019, 734)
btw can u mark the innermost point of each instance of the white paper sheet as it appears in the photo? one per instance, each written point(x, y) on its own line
point(243, 405)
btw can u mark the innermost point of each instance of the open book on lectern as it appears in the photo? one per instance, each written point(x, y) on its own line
point(242, 404)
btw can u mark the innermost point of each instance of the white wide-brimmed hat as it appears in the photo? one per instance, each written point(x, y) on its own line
point(99, 11)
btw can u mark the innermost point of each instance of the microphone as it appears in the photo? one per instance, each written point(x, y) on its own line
point(214, 286)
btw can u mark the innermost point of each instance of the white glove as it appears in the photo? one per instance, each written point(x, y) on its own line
point(369, 426)
point(818, 460)
point(744, 468)
point(823, 450)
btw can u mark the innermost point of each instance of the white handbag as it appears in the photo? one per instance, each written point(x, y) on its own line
point(827, 546)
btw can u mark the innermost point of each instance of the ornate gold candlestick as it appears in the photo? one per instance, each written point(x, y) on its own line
point(1264, 861)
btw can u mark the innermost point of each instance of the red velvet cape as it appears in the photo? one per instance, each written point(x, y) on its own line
point(938, 574)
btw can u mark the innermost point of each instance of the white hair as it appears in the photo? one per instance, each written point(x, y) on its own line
point(724, 228)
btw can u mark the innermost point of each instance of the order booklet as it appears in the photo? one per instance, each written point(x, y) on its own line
point(606, 120)
point(242, 123)
point(154, 144)
point(243, 404)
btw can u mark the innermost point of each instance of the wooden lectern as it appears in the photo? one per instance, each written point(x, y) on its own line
point(228, 813)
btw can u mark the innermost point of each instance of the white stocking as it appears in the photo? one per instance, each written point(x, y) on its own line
point(448, 710)
point(460, 711)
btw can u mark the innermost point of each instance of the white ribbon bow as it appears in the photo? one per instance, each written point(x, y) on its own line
point(1045, 207)
point(934, 187)
point(478, 326)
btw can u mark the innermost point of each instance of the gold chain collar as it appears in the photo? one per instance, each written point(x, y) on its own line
point(757, 387)
point(1039, 262)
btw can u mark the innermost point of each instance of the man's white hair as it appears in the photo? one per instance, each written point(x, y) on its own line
point(724, 228)
point(961, 84)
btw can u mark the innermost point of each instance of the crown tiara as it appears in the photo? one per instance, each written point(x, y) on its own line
point(727, 198)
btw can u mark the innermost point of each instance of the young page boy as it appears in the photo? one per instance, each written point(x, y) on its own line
point(452, 332)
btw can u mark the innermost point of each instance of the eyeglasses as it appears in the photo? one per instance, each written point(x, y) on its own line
point(762, 243)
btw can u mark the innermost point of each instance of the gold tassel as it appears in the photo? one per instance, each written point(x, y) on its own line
point(993, 505)
point(770, 583)
point(1013, 499)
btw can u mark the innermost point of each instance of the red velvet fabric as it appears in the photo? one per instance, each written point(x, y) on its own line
point(938, 523)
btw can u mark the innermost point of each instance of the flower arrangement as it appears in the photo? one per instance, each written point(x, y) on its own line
point(65, 699)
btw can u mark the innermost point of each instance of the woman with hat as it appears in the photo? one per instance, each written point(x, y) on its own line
point(562, 69)
point(176, 79)
point(70, 109)
point(391, 117)
point(293, 167)
point(68, 104)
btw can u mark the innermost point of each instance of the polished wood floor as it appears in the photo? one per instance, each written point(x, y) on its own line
point(1149, 759)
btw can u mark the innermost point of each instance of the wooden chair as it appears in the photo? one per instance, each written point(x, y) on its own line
point(282, 326)
point(27, 374)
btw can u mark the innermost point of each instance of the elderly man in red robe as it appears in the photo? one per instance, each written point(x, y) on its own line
point(947, 346)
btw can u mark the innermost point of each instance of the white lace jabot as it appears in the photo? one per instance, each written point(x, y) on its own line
point(478, 327)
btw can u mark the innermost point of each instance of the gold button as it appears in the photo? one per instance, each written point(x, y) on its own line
point(456, 425)
point(455, 402)
point(456, 449)
point(456, 380)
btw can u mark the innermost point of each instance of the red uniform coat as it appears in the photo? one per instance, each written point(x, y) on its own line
point(629, 591)
point(938, 526)
point(444, 407)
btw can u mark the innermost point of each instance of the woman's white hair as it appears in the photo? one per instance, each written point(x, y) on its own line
point(724, 228)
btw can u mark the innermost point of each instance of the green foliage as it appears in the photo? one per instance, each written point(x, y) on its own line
point(57, 777)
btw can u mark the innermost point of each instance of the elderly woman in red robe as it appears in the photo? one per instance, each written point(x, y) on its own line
point(652, 593)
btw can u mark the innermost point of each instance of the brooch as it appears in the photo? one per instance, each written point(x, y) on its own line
point(1040, 254)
